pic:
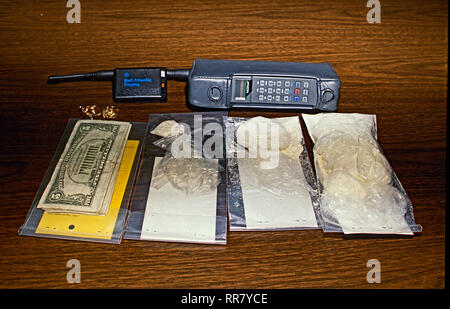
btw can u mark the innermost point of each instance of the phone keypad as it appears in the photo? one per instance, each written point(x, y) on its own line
point(284, 90)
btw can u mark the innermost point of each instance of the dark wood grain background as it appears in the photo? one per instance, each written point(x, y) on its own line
point(396, 69)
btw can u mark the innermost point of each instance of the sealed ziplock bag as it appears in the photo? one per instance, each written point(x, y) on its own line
point(81, 164)
point(180, 193)
point(271, 184)
point(359, 191)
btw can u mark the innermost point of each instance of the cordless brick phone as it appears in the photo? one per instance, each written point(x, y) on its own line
point(223, 84)
point(228, 84)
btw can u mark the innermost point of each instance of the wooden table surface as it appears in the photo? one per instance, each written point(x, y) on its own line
point(396, 69)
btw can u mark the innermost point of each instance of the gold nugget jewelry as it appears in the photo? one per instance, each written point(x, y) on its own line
point(89, 111)
point(110, 112)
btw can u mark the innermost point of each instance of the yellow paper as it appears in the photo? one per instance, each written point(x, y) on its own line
point(91, 226)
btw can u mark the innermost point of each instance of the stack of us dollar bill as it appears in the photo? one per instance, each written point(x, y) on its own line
point(84, 177)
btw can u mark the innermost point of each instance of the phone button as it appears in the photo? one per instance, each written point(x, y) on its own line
point(215, 94)
point(327, 95)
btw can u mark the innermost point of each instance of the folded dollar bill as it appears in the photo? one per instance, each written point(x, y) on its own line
point(84, 178)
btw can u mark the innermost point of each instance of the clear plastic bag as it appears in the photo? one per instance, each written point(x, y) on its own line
point(270, 185)
point(359, 191)
point(180, 189)
point(108, 228)
point(190, 175)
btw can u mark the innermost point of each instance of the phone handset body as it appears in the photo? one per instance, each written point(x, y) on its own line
point(264, 85)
